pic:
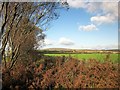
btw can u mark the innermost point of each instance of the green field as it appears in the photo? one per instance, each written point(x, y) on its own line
point(99, 57)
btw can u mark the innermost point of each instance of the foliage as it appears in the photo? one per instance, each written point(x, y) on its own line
point(21, 23)
point(62, 72)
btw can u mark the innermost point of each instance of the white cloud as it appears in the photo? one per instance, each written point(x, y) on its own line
point(48, 42)
point(65, 41)
point(76, 3)
point(95, 47)
point(104, 7)
point(93, 7)
point(112, 46)
point(90, 27)
point(110, 7)
point(107, 12)
point(102, 19)
point(100, 47)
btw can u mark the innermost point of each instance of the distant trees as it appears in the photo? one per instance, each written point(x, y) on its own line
point(21, 23)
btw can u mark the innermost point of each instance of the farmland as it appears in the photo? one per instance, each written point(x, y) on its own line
point(99, 57)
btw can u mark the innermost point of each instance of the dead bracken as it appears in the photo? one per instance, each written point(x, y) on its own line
point(59, 73)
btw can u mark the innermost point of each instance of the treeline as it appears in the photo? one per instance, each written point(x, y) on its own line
point(21, 32)
point(79, 51)
point(21, 28)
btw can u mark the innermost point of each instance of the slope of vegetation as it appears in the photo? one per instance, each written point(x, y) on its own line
point(62, 72)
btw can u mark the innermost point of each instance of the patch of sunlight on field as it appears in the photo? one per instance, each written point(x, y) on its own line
point(99, 57)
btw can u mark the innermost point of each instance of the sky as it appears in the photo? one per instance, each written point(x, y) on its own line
point(86, 25)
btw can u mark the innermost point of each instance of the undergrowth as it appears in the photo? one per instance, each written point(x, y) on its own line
point(62, 72)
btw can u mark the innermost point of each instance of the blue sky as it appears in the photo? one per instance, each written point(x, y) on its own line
point(85, 26)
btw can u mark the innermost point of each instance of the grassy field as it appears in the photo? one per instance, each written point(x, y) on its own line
point(100, 57)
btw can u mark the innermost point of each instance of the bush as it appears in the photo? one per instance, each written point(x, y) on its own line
point(62, 72)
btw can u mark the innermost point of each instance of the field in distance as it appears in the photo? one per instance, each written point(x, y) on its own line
point(100, 55)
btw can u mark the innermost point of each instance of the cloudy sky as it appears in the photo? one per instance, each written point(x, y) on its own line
point(86, 25)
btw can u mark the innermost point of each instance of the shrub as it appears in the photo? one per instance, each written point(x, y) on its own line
point(59, 72)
